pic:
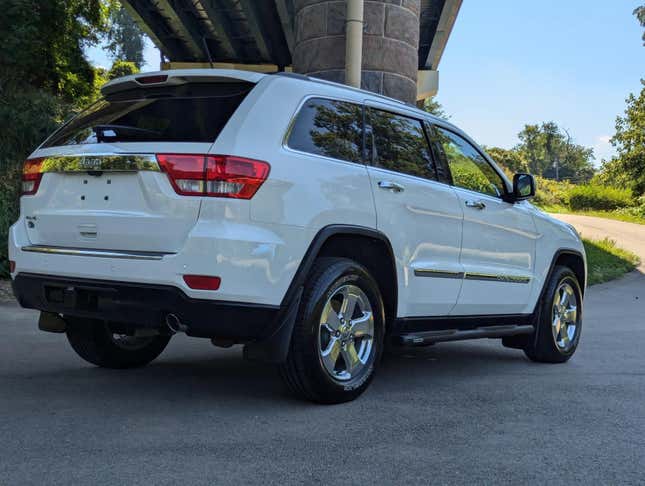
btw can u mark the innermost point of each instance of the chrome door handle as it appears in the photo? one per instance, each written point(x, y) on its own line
point(392, 186)
point(475, 204)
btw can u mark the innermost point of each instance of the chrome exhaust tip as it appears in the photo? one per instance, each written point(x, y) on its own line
point(174, 324)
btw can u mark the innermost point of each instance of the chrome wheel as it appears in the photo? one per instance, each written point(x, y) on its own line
point(346, 333)
point(564, 317)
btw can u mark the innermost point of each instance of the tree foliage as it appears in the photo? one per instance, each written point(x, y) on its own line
point(433, 107)
point(639, 12)
point(125, 38)
point(511, 160)
point(628, 168)
point(44, 76)
point(550, 152)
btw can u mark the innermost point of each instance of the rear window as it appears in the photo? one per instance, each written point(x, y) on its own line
point(186, 113)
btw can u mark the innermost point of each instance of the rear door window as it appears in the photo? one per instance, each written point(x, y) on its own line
point(329, 128)
point(399, 144)
point(187, 113)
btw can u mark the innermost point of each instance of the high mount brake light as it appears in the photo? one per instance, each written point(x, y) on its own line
point(214, 175)
point(159, 78)
point(31, 176)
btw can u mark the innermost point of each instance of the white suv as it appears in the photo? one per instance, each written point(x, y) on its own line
point(311, 222)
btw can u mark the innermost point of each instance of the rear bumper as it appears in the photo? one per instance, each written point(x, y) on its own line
point(145, 305)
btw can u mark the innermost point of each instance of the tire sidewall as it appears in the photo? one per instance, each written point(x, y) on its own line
point(340, 274)
point(561, 275)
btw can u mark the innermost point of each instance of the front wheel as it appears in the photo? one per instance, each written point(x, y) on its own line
point(337, 339)
point(559, 322)
point(95, 342)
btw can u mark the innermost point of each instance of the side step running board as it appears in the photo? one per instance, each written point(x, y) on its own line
point(429, 337)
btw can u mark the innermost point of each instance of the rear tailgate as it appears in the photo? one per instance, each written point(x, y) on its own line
point(123, 208)
point(101, 185)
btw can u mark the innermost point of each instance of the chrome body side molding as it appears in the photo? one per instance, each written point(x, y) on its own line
point(428, 272)
point(88, 252)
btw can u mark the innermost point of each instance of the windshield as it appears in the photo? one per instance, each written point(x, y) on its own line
point(186, 113)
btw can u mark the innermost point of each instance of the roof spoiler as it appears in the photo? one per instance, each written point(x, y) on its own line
point(179, 77)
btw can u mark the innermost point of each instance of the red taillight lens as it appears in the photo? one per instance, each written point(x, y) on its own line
point(202, 282)
point(12, 266)
point(214, 175)
point(31, 176)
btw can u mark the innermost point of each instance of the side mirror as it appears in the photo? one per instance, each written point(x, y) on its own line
point(523, 187)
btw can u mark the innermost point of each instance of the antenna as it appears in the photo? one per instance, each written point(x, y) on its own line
point(208, 51)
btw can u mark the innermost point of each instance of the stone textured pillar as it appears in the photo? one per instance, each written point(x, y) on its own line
point(390, 44)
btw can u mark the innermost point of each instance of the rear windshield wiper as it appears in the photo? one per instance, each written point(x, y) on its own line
point(105, 133)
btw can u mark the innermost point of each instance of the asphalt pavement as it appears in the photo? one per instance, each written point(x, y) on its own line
point(453, 413)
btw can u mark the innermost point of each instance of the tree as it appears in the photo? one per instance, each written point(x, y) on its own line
point(511, 160)
point(433, 107)
point(550, 152)
point(44, 76)
point(125, 38)
point(639, 12)
point(122, 68)
point(628, 168)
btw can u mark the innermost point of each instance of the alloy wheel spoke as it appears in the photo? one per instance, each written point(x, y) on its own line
point(362, 326)
point(350, 356)
point(331, 353)
point(571, 314)
point(348, 306)
point(330, 319)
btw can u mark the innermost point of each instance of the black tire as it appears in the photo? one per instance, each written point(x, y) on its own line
point(93, 341)
point(542, 347)
point(303, 372)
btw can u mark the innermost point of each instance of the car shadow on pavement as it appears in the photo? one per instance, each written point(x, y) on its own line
point(199, 375)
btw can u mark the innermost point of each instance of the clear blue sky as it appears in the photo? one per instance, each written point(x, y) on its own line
point(511, 62)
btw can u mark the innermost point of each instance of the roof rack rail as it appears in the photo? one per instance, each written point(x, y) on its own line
point(304, 77)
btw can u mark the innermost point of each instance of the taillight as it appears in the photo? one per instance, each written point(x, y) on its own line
point(214, 175)
point(31, 176)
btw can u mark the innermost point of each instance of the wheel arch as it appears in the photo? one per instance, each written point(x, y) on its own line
point(374, 252)
point(572, 259)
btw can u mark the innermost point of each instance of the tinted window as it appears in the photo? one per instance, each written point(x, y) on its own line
point(188, 113)
point(468, 167)
point(330, 128)
point(399, 144)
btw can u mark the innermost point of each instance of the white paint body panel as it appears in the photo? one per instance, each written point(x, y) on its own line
point(256, 246)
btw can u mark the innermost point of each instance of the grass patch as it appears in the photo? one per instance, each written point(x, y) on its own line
point(605, 261)
point(618, 216)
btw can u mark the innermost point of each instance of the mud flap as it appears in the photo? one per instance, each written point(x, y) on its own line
point(275, 348)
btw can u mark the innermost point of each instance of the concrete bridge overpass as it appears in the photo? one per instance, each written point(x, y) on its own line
point(403, 40)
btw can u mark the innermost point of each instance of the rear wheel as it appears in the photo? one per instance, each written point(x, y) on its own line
point(95, 342)
point(337, 339)
point(559, 320)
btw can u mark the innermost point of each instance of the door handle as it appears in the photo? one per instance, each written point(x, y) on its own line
point(475, 204)
point(392, 186)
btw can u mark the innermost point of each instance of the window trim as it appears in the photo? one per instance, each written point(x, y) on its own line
point(496, 169)
point(294, 116)
point(370, 160)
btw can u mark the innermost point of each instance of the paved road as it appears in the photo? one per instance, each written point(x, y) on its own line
point(470, 412)
point(630, 236)
point(452, 413)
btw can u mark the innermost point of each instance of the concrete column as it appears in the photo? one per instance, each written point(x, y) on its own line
point(390, 44)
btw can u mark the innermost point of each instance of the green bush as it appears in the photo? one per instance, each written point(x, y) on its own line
point(637, 211)
point(599, 197)
point(552, 193)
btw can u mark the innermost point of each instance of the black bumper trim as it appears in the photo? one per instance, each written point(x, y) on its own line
point(145, 305)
